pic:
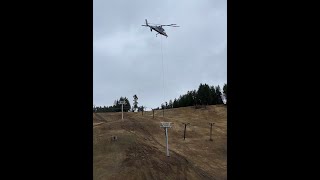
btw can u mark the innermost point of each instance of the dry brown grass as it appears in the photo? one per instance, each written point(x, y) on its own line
point(139, 152)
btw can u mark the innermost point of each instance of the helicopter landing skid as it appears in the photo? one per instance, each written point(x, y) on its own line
point(159, 33)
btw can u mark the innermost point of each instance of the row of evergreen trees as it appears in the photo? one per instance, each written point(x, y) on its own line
point(116, 106)
point(205, 95)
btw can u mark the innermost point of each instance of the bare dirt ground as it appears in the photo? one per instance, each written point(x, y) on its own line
point(140, 151)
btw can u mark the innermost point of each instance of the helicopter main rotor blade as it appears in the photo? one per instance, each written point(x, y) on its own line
point(169, 25)
point(143, 25)
point(154, 23)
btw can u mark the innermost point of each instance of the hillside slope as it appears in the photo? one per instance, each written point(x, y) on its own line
point(140, 153)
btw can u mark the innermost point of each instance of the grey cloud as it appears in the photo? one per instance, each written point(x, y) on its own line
point(127, 56)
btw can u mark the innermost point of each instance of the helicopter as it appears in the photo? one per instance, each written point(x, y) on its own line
point(159, 28)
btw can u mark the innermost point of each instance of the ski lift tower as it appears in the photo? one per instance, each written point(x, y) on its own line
point(122, 103)
point(166, 125)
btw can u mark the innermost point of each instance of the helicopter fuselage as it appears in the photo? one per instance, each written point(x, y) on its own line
point(159, 29)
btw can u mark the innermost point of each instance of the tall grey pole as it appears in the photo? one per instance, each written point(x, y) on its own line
point(122, 111)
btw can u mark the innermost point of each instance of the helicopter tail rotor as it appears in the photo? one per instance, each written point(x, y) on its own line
point(146, 23)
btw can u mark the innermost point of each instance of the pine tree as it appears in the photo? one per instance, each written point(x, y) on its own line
point(204, 94)
point(170, 104)
point(141, 108)
point(219, 94)
point(200, 93)
point(175, 103)
point(180, 101)
point(213, 95)
point(127, 106)
point(135, 102)
point(194, 97)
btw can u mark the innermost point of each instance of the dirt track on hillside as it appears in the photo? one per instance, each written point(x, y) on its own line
point(139, 152)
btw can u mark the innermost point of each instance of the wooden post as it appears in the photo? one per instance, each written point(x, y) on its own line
point(184, 135)
point(211, 131)
point(185, 127)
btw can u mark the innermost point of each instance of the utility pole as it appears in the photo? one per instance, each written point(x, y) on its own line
point(122, 103)
point(166, 125)
point(185, 127)
point(211, 131)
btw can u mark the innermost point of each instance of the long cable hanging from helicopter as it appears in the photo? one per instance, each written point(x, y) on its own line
point(159, 29)
point(164, 95)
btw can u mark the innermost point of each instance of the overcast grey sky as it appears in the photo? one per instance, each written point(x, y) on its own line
point(127, 57)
